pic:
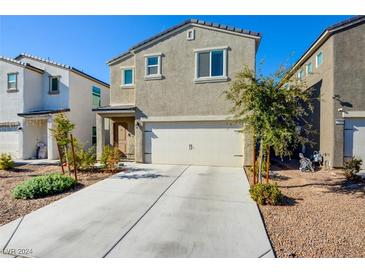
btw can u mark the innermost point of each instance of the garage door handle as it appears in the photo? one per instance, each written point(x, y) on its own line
point(190, 146)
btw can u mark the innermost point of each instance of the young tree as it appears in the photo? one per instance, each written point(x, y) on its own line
point(61, 132)
point(272, 109)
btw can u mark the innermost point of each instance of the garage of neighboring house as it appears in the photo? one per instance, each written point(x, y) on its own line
point(354, 135)
point(215, 143)
point(9, 138)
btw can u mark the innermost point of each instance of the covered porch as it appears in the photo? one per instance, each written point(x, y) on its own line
point(115, 125)
point(35, 133)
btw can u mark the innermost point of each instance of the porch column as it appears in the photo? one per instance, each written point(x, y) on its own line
point(51, 142)
point(100, 137)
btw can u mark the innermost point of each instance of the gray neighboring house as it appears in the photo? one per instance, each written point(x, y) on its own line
point(32, 91)
point(166, 102)
point(334, 66)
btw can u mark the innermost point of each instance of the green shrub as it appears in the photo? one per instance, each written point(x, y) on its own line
point(110, 157)
point(266, 194)
point(352, 167)
point(85, 159)
point(6, 162)
point(42, 186)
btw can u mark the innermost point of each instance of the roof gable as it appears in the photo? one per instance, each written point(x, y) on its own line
point(192, 22)
point(63, 66)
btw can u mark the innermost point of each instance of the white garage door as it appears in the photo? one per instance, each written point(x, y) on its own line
point(195, 143)
point(9, 143)
point(355, 139)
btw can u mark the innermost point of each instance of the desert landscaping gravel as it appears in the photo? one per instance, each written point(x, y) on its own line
point(324, 215)
point(11, 209)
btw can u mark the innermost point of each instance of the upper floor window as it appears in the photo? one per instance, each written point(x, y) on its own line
point(96, 102)
point(54, 85)
point(12, 81)
point(301, 74)
point(153, 66)
point(127, 77)
point(309, 68)
point(210, 64)
point(319, 59)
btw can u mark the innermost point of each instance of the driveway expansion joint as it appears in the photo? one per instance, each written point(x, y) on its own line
point(144, 214)
point(12, 235)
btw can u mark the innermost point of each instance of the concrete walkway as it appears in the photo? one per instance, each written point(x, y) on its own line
point(148, 211)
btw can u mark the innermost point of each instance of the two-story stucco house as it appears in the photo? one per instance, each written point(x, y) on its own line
point(167, 103)
point(32, 91)
point(334, 67)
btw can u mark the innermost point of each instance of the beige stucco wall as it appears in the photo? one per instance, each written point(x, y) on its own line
point(120, 95)
point(177, 94)
point(321, 81)
point(81, 106)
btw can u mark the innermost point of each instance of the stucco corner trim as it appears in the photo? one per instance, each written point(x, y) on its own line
point(353, 114)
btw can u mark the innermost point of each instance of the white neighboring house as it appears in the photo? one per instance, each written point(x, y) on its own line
point(32, 91)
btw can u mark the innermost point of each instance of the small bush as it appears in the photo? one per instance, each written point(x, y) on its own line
point(110, 157)
point(351, 168)
point(6, 162)
point(266, 194)
point(85, 158)
point(42, 186)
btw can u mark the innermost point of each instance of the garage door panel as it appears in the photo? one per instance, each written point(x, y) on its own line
point(355, 139)
point(196, 143)
point(9, 143)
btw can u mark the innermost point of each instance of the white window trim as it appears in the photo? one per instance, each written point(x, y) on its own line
point(307, 72)
point(300, 76)
point(205, 79)
point(54, 92)
point(16, 81)
point(192, 32)
point(122, 83)
point(317, 65)
point(156, 76)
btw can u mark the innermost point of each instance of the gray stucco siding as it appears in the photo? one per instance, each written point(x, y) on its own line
point(177, 94)
point(349, 80)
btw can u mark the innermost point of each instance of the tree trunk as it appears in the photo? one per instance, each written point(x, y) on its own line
point(267, 163)
point(74, 157)
point(67, 161)
point(254, 161)
point(260, 161)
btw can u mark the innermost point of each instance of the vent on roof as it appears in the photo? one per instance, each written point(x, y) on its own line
point(190, 34)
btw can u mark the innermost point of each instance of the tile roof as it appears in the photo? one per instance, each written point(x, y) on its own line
point(186, 22)
point(20, 63)
point(68, 67)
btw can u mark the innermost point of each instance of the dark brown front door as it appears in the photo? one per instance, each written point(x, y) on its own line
point(120, 137)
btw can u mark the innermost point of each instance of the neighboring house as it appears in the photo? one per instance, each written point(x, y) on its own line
point(334, 66)
point(167, 103)
point(32, 91)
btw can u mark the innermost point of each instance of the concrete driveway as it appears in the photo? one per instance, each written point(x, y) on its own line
point(148, 211)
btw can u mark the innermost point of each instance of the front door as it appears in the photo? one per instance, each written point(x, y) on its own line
point(120, 137)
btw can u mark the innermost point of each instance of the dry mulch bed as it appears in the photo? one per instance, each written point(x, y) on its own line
point(324, 216)
point(11, 209)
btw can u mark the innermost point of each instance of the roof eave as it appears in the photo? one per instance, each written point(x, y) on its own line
point(325, 35)
point(194, 22)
